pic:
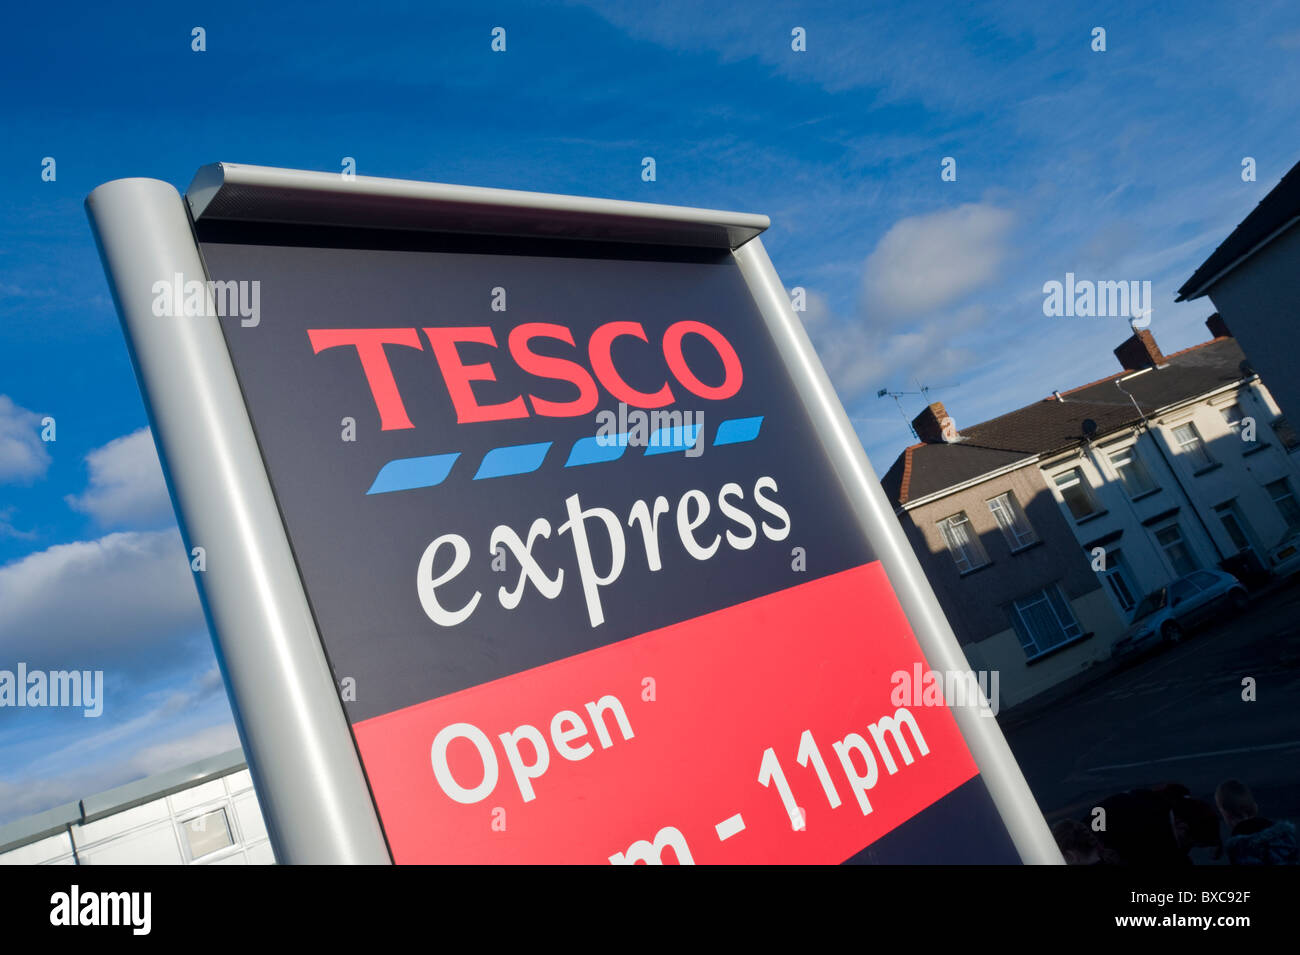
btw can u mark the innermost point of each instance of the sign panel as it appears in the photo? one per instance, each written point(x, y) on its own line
point(589, 585)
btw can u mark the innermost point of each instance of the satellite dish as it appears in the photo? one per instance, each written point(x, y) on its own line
point(1089, 428)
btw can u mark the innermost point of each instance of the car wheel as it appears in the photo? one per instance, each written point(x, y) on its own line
point(1171, 632)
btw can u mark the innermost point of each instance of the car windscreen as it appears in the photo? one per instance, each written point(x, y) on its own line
point(1150, 604)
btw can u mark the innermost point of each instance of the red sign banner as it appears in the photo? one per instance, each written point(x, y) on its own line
point(764, 732)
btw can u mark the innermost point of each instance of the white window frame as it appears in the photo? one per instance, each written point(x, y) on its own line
point(1011, 518)
point(227, 824)
point(1276, 498)
point(1193, 447)
point(1082, 481)
point(1134, 460)
point(1182, 539)
point(968, 556)
point(1069, 629)
point(1233, 426)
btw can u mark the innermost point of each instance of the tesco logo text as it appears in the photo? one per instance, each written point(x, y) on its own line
point(460, 372)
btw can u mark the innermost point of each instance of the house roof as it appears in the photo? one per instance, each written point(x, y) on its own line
point(1052, 425)
point(1273, 212)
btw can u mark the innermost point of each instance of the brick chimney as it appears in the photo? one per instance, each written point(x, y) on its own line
point(1139, 351)
point(1217, 326)
point(934, 426)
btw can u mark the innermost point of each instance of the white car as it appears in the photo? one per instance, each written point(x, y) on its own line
point(1284, 559)
point(1165, 615)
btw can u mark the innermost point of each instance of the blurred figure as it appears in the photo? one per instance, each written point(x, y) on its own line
point(1077, 843)
point(1253, 840)
point(1196, 827)
point(1158, 827)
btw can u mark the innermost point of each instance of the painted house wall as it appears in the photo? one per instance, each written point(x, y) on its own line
point(977, 602)
point(1260, 301)
point(1239, 472)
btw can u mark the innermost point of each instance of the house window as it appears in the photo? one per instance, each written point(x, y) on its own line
point(1176, 550)
point(1284, 498)
point(1132, 472)
point(1232, 416)
point(1015, 526)
point(1119, 581)
point(1076, 493)
point(1044, 620)
point(963, 543)
point(1191, 445)
point(1286, 434)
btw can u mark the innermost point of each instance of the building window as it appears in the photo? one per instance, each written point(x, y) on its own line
point(1132, 472)
point(1044, 620)
point(1176, 550)
point(1191, 445)
point(963, 543)
point(1076, 493)
point(1015, 526)
point(1232, 416)
point(1284, 498)
point(1286, 434)
point(1119, 581)
point(207, 833)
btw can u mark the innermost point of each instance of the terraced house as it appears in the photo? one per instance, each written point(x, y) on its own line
point(1042, 529)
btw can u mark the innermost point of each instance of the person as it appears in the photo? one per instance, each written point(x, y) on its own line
point(1078, 843)
point(1196, 827)
point(1158, 827)
point(1253, 840)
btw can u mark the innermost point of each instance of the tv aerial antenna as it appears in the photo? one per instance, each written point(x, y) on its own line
point(898, 395)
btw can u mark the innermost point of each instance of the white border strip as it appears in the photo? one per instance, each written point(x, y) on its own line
point(304, 764)
point(878, 524)
point(452, 203)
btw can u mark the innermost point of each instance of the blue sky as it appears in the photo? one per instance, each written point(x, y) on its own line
point(1121, 165)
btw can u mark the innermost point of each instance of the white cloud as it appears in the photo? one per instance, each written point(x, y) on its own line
point(125, 601)
point(161, 757)
point(862, 356)
point(126, 484)
point(23, 455)
point(157, 716)
point(928, 261)
point(7, 528)
point(95, 761)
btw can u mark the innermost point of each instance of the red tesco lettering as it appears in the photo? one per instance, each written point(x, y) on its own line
point(464, 356)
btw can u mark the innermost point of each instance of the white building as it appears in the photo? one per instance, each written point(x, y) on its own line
point(1253, 278)
point(1202, 474)
point(202, 814)
point(1043, 528)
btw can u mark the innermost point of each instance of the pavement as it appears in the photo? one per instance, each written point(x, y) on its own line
point(1175, 715)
